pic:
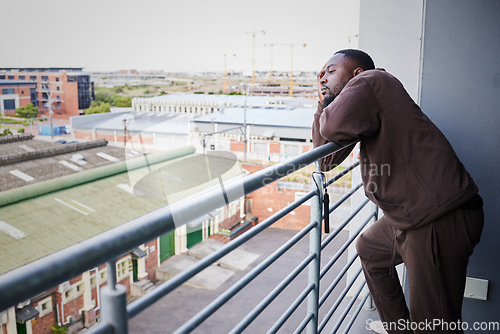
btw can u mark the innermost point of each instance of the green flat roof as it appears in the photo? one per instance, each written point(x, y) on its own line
point(37, 227)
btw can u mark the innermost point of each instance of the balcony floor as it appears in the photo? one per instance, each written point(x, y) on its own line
point(173, 310)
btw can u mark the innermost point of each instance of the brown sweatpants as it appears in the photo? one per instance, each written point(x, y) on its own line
point(436, 257)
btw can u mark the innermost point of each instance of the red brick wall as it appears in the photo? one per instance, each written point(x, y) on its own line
point(70, 105)
point(268, 200)
point(152, 259)
point(236, 146)
point(23, 90)
point(274, 148)
point(42, 324)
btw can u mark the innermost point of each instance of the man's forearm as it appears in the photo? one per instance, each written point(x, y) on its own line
point(333, 160)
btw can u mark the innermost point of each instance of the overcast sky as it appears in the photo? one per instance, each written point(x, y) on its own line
point(177, 35)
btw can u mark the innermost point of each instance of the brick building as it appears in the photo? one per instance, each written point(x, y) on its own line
point(67, 91)
point(15, 94)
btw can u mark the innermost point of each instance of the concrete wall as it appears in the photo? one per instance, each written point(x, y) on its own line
point(460, 93)
point(390, 32)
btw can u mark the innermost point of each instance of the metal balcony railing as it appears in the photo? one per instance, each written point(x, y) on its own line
point(21, 284)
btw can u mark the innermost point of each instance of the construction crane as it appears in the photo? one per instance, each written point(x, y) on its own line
point(290, 93)
point(225, 72)
point(253, 52)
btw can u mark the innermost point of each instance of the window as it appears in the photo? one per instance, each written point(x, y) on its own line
point(33, 95)
point(57, 79)
point(92, 281)
point(11, 77)
point(32, 77)
point(45, 306)
point(57, 88)
point(79, 288)
point(9, 104)
point(69, 295)
point(45, 78)
point(2, 77)
point(104, 276)
point(122, 270)
point(8, 91)
point(22, 77)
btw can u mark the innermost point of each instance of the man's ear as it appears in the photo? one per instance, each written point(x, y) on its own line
point(358, 71)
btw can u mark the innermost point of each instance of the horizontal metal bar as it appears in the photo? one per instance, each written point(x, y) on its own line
point(272, 295)
point(344, 224)
point(344, 246)
point(344, 198)
point(229, 293)
point(304, 323)
point(356, 313)
point(348, 308)
point(337, 279)
point(344, 172)
point(277, 325)
point(337, 302)
point(142, 303)
point(34, 278)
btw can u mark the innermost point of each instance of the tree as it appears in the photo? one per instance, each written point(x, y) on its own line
point(122, 101)
point(6, 132)
point(97, 107)
point(29, 111)
point(103, 95)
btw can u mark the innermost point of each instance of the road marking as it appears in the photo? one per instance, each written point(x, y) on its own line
point(70, 206)
point(70, 165)
point(107, 157)
point(83, 205)
point(21, 175)
point(11, 231)
point(27, 148)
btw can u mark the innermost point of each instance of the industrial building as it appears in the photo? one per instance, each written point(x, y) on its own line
point(202, 104)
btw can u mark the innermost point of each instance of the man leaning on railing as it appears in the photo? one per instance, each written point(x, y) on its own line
point(433, 213)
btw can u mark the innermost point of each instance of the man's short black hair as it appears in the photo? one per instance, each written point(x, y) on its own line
point(362, 59)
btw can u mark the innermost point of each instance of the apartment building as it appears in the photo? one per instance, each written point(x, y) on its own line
point(65, 91)
point(15, 94)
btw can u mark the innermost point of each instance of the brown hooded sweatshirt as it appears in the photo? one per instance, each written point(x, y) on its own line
point(408, 167)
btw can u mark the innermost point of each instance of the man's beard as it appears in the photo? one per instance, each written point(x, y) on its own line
point(333, 93)
point(328, 99)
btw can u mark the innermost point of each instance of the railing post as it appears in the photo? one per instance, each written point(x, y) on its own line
point(369, 305)
point(315, 247)
point(114, 302)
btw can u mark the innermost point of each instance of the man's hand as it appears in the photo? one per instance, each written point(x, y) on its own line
point(320, 75)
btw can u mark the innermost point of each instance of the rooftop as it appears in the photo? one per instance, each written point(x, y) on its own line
point(275, 101)
point(78, 206)
point(298, 117)
point(136, 122)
